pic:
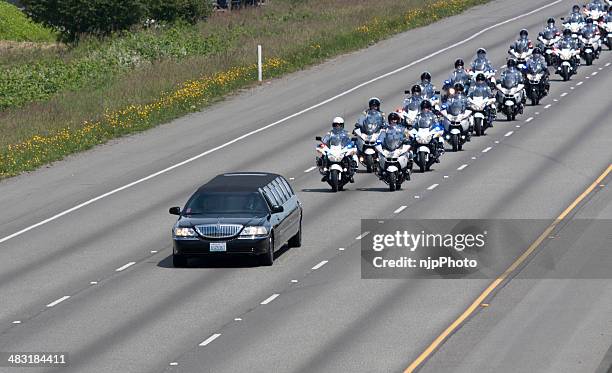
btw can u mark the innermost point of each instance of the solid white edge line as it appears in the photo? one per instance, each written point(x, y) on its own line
point(460, 168)
point(362, 235)
point(210, 339)
point(432, 186)
point(321, 264)
point(270, 299)
point(310, 169)
point(251, 133)
point(487, 149)
point(58, 301)
point(125, 266)
point(402, 208)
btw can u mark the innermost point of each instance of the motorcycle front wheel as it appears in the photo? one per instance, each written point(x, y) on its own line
point(478, 126)
point(392, 181)
point(422, 162)
point(455, 142)
point(334, 180)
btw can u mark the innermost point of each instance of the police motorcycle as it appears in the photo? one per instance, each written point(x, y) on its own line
point(567, 59)
point(510, 96)
point(590, 45)
point(595, 10)
point(395, 157)
point(335, 160)
point(368, 130)
point(535, 85)
point(573, 26)
point(457, 123)
point(410, 110)
point(480, 68)
point(483, 107)
point(521, 55)
point(548, 39)
point(605, 28)
point(428, 144)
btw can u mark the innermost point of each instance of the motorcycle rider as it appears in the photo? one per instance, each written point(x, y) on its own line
point(482, 85)
point(522, 43)
point(575, 16)
point(550, 27)
point(374, 104)
point(589, 26)
point(339, 131)
point(512, 70)
point(481, 62)
point(573, 43)
point(427, 116)
point(459, 75)
point(427, 88)
point(538, 58)
point(412, 102)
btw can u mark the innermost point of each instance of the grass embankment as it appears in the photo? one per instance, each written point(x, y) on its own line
point(15, 26)
point(150, 77)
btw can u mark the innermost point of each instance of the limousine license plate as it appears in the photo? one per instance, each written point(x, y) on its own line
point(218, 247)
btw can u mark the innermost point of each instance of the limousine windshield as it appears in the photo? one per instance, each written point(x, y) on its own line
point(226, 203)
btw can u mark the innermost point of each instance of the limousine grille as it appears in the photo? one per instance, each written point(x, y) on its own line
point(218, 230)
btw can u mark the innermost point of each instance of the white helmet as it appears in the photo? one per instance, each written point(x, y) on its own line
point(338, 120)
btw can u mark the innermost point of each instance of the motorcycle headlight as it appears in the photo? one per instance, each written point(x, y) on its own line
point(334, 157)
point(424, 139)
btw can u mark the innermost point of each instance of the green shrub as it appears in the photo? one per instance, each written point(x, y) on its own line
point(15, 26)
point(77, 17)
point(174, 10)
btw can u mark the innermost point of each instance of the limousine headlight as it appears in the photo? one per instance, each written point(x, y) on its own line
point(184, 232)
point(252, 232)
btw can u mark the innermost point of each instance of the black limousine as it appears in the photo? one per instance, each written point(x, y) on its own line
point(238, 213)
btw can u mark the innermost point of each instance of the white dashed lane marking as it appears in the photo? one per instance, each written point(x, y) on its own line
point(270, 299)
point(486, 149)
point(56, 302)
point(563, 94)
point(310, 169)
point(402, 208)
point(509, 133)
point(594, 73)
point(529, 120)
point(210, 339)
point(579, 83)
point(461, 167)
point(321, 264)
point(547, 106)
point(432, 187)
point(125, 266)
point(362, 235)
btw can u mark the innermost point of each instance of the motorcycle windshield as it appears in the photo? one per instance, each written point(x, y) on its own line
point(566, 44)
point(588, 33)
point(522, 45)
point(480, 91)
point(480, 64)
point(341, 140)
point(535, 67)
point(549, 34)
point(413, 104)
point(372, 122)
point(425, 121)
point(456, 107)
point(509, 81)
point(393, 139)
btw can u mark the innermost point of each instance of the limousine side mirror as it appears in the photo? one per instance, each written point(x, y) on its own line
point(175, 210)
point(276, 209)
point(318, 138)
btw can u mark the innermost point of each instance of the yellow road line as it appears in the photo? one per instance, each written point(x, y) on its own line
point(455, 324)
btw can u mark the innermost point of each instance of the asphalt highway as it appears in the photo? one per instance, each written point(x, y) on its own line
point(85, 245)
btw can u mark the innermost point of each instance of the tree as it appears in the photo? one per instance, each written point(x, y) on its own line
point(76, 17)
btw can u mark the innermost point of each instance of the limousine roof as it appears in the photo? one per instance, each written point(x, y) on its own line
point(239, 182)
